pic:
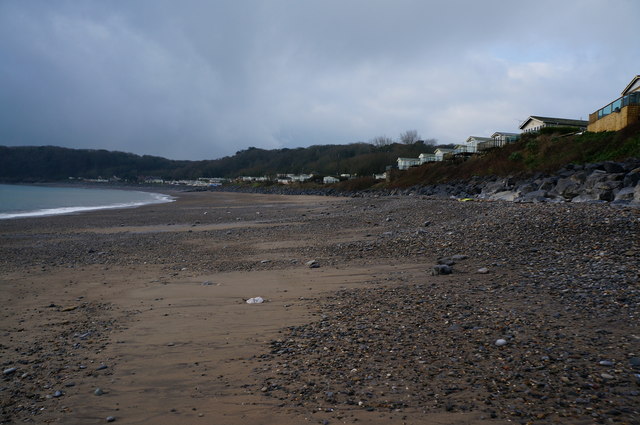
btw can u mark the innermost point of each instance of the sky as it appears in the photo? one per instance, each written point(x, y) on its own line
point(202, 79)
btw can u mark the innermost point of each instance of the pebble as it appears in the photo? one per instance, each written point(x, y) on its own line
point(255, 300)
point(111, 418)
point(501, 342)
point(606, 376)
point(9, 371)
point(441, 269)
point(102, 367)
point(483, 270)
point(312, 264)
point(605, 363)
point(98, 392)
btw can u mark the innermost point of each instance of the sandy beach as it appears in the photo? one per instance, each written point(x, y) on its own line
point(139, 316)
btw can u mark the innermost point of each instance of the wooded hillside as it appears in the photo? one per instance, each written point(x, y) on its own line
point(50, 163)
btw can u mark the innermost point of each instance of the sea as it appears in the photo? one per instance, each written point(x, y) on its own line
point(35, 201)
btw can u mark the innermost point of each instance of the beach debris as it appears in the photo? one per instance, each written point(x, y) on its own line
point(440, 269)
point(70, 308)
point(500, 342)
point(9, 371)
point(255, 300)
point(312, 264)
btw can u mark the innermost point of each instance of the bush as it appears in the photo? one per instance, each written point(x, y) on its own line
point(559, 130)
point(516, 156)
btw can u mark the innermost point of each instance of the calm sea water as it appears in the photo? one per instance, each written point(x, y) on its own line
point(34, 201)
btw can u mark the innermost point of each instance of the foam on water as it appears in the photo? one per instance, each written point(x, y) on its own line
point(19, 201)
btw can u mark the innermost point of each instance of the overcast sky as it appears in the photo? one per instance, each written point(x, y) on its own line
point(195, 79)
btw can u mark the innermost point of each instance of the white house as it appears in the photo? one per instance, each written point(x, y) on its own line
point(406, 163)
point(536, 123)
point(473, 141)
point(441, 152)
point(502, 138)
point(382, 176)
point(498, 140)
point(302, 177)
point(426, 157)
point(330, 180)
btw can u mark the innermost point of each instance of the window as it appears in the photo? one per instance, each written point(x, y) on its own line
point(616, 105)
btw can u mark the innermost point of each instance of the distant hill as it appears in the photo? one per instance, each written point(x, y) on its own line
point(51, 163)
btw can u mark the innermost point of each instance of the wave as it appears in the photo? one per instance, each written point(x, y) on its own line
point(158, 198)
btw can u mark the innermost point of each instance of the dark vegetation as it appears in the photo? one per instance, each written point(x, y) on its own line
point(49, 163)
point(544, 152)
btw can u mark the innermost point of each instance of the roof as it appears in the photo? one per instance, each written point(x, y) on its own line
point(634, 85)
point(503, 133)
point(481, 139)
point(556, 121)
point(444, 150)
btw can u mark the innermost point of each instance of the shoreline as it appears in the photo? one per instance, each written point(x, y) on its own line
point(157, 295)
point(159, 198)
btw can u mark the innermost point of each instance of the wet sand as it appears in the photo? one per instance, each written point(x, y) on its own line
point(157, 295)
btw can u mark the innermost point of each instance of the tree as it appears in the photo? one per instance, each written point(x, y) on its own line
point(409, 137)
point(381, 141)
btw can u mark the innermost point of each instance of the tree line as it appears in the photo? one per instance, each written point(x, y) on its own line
point(51, 163)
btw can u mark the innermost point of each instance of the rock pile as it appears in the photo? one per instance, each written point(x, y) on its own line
point(616, 182)
point(602, 182)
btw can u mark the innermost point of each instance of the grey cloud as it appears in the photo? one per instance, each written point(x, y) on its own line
point(200, 79)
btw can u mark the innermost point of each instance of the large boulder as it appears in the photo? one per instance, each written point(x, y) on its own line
point(548, 183)
point(594, 178)
point(631, 178)
point(493, 187)
point(536, 196)
point(625, 194)
point(613, 167)
point(636, 195)
point(605, 191)
point(505, 195)
point(567, 188)
point(579, 177)
point(526, 188)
